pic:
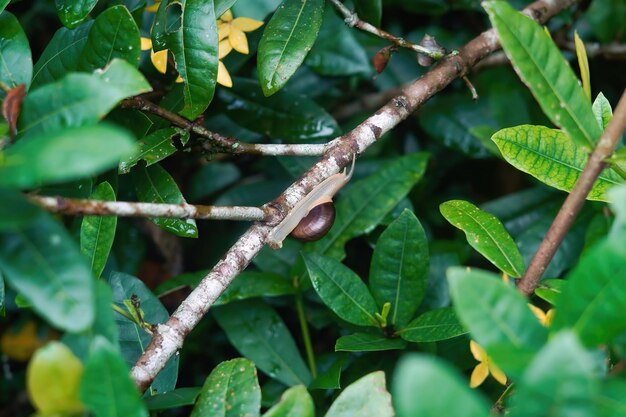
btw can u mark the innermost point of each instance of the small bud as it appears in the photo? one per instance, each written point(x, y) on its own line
point(431, 44)
point(382, 57)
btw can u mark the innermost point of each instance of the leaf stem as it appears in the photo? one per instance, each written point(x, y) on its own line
point(304, 327)
point(575, 200)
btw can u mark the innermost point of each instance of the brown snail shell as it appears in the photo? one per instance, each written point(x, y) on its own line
point(316, 223)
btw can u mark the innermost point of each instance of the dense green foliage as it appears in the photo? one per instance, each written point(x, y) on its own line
point(376, 318)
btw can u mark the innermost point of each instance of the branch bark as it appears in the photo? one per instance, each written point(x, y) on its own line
point(169, 336)
point(575, 200)
point(217, 143)
point(77, 206)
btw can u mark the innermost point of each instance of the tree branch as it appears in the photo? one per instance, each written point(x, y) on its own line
point(78, 206)
point(353, 20)
point(169, 336)
point(575, 200)
point(220, 143)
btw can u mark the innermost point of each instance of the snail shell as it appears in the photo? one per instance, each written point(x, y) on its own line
point(315, 224)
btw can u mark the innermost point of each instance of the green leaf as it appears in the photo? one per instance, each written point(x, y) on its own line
point(550, 156)
point(155, 185)
point(103, 324)
point(593, 301)
point(341, 290)
point(72, 12)
point(114, 34)
point(366, 397)
point(44, 265)
point(560, 381)
point(486, 234)
point(211, 178)
point(61, 54)
point(106, 388)
point(173, 399)
point(399, 270)
point(337, 52)
point(255, 284)
point(367, 342)
point(604, 18)
point(15, 210)
point(497, 317)
point(286, 40)
point(539, 63)
point(97, 232)
point(194, 46)
point(433, 326)
point(329, 371)
point(260, 334)
point(155, 147)
point(370, 11)
point(295, 402)
point(285, 116)
point(56, 157)
point(79, 99)
point(366, 203)
point(16, 63)
point(133, 339)
point(231, 390)
point(222, 5)
point(418, 390)
point(3, 4)
point(53, 378)
point(550, 289)
point(602, 111)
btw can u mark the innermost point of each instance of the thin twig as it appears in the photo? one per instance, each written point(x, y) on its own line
point(218, 143)
point(169, 336)
point(353, 20)
point(575, 200)
point(77, 206)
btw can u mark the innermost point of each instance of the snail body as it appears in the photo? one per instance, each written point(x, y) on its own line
point(313, 216)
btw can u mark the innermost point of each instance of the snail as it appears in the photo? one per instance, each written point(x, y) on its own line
point(313, 216)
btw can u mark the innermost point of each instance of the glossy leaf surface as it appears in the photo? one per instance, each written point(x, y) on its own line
point(97, 232)
point(286, 40)
point(155, 185)
point(261, 335)
point(41, 261)
point(72, 12)
point(366, 397)
point(295, 402)
point(433, 326)
point(16, 63)
point(367, 342)
point(399, 269)
point(231, 390)
point(341, 290)
point(486, 234)
point(155, 147)
point(540, 64)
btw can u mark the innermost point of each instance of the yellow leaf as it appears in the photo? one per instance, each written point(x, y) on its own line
point(53, 380)
point(238, 41)
point(159, 60)
point(479, 374)
point(246, 24)
point(146, 43)
point(583, 64)
point(224, 48)
point(223, 77)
